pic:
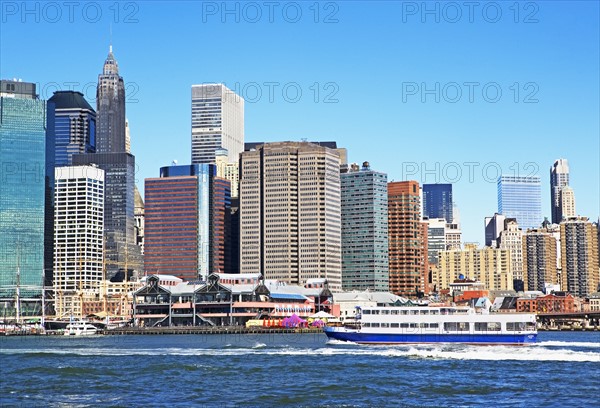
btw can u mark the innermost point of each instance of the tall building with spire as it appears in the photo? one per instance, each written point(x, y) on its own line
point(110, 106)
point(559, 178)
point(121, 251)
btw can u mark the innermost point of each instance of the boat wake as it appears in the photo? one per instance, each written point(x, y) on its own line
point(567, 344)
point(448, 352)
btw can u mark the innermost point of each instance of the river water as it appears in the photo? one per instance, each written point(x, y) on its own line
point(562, 369)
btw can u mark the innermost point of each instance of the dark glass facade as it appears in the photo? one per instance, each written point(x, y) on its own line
point(437, 201)
point(22, 199)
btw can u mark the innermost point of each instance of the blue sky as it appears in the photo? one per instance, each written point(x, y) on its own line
point(430, 91)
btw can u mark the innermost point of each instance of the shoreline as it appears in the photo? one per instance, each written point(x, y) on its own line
point(221, 330)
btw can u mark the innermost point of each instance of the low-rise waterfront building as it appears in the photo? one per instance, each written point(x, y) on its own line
point(225, 299)
point(594, 302)
point(559, 302)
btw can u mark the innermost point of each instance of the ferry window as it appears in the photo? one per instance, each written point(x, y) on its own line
point(366, 311)
point(414, 312)
point(375, 311)
point(395, 312)
point(530, 326)
point(385, 312)
point(404, 325)
point(366, 324)
point(424, 312)
point(374, 324)
point(404, 312)
point(451, 326)
point(454, 326)
point(385, 325)
point(424, 325)
point(515, 326)
point(433, 325)
point(434, 312)
point(490, 326)
point(412, 325)
point(395, 325)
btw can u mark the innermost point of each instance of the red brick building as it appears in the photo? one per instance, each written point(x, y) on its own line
point(407, 236)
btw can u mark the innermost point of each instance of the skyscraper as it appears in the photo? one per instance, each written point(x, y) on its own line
point(71, 126)
point(290, 226)
point(579, 256)
point(121, 251)
point(110, 105)
point(559, 177)
point(539, 259)
point(186, 214)
point(493, 227)
point(217, 122)
point(437, 201)
point(567, 203)
point(228, 170)
point(490, 266)
point(78, 235)
point(70, 130)
point(407, 238)
point(520, 197)
point(22, 196)
point(511, 238)
point(364, 229)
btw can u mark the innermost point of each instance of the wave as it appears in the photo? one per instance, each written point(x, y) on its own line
point(568, 344)
point(259, 346)
point(452, 352)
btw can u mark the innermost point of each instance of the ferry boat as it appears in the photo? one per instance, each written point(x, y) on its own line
point(80, 328)
point(409, 325)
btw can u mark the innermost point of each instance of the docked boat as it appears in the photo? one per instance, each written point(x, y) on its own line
point(406, 325)
point(80, 328)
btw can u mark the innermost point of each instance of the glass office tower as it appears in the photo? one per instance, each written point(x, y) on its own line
point(22, 196)
point(520, 197)
point(364, 229)
point(437, 201)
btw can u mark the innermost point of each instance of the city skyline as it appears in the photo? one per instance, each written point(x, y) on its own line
point(277, 119)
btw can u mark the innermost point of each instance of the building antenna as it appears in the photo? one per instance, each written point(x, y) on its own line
point(110, 38)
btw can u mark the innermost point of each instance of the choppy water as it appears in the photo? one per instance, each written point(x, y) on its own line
point(562, 369)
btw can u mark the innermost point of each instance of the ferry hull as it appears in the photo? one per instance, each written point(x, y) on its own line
point(415, 338)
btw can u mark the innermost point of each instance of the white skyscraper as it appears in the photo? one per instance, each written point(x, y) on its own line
point(78, 234)
point(217, 122)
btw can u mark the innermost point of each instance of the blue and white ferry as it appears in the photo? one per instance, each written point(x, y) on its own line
point(409, 325)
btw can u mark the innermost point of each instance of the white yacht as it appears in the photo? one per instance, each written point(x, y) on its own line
point(80, 328)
